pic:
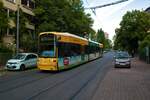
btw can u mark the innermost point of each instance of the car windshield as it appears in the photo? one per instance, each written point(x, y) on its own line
point(19, 56)
point(122, 55)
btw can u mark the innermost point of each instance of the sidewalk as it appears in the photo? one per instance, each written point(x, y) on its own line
point(126, 84)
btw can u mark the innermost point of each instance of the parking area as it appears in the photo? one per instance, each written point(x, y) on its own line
point(126, 83)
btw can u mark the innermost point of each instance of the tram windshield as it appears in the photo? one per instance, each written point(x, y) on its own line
point(47, 46)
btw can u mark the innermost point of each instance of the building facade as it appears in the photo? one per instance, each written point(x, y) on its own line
point(11, 7)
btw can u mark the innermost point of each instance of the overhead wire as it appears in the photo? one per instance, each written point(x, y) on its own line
point(94, 12)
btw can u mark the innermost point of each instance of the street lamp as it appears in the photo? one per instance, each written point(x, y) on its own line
point(17, 38)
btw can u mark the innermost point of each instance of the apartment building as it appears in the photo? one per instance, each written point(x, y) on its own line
point(11, 7)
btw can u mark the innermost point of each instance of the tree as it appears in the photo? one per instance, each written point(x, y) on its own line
point(26, 41)
point(145, 42)
point(133, 29)
point(108, 44)
point(61, 15)
point(101, 36)
point(3, 20)
point(142, 48)
point(92, 34)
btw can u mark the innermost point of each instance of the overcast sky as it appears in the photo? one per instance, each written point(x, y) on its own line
point(108, 18)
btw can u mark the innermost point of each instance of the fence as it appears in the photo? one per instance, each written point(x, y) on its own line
point(144, 54)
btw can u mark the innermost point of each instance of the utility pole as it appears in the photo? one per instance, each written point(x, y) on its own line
point(17, 39)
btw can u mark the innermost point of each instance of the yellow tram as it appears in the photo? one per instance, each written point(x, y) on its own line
point(58, 51)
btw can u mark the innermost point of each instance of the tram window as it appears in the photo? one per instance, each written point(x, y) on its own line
point(75, 49)
point(90, 49)
point(68, 49)
point(61, 48)
point(87, 49)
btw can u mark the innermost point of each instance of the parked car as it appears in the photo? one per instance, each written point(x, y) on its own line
point(122, 59)
point(22, 61)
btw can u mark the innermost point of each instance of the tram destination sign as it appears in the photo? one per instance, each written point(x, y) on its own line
point(46, 38)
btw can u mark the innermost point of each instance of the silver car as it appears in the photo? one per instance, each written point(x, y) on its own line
point(22, 61)
point(122, 59)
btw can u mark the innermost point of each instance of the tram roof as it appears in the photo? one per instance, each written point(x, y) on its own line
point(73, 36)
point(94, 42)
point(97, 43)
point(65, 34)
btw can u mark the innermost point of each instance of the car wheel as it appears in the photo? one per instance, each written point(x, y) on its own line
point(22, 67)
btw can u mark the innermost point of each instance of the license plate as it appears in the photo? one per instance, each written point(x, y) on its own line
point(122, 64)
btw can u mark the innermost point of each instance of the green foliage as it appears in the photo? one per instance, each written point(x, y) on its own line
point(3, 20)
point(4, 49)
point(92, 34)
point(101, 36)
point(28, 44)
point(62, 15)
point(133, 28)
point(22, 23)
point(142, 48)
point(26, 41)
point(145, 42)
point(101, 39)
point(108, 44)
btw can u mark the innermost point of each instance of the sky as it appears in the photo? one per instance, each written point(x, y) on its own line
point(109, 18)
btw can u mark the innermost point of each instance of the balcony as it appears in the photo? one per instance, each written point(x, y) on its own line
point(30, 26)
point(27, 6)
point(12, 1)
point(10, 4)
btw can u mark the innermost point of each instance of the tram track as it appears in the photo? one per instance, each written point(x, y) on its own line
point(60, 83)
point(25, 83)
point(85, 84)
point(38, 79)
point(92, 78)
point(96, 76)
point(58, 87)
point(16, 76)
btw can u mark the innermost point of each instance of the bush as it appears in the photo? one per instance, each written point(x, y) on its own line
point(4, 57)
point(4, 49)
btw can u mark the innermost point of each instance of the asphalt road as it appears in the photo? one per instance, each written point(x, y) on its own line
point(79, 83)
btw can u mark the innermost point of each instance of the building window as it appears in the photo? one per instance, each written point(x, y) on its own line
point(24, 2)
point(10, 31)
point(11, 14)
point(30, 18)
point(28, 3)
point(31, 4)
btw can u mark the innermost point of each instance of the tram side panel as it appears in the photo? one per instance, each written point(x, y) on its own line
point(70, 55)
